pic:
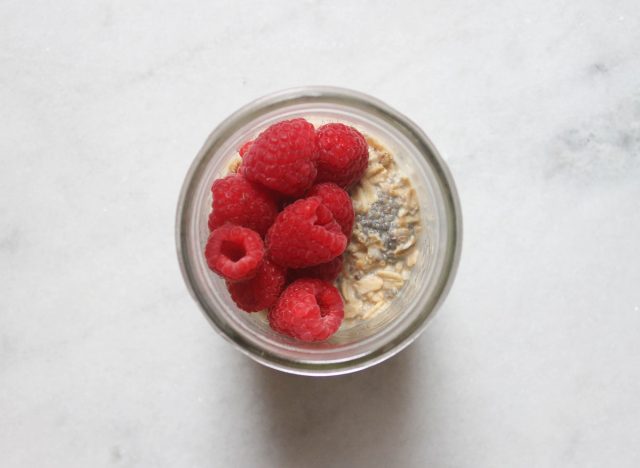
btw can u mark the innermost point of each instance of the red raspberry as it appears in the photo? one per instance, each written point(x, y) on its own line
point(305, 234)
point(343, 154)
point(234, 252)
point(309, 310)
point(238, 201)
point(261, 291)
point(283, 157)
point(339, 203)
point(325, 271)
point(244, 148)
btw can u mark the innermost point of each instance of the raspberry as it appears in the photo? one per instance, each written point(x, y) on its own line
point(283, 157)
point(309, 310)
point(339, 203)
point(244, 148)
point(343, 154)
point(234, 252)
point(261, 291)
point(305, 234)
point(238, 201)
point(325, 271)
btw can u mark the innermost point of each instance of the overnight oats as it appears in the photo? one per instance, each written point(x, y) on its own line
point(324, 247)
point(314, 228)
point(383, 249)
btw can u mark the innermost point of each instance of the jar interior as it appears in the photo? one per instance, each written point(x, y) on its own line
point(412, 298)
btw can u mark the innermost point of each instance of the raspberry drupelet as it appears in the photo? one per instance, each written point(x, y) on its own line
point(305, 234)
point(234, 252)
point(283, 158)
point(343, 155)
point(309, 310)
point(339, 203)
point(238, 201)
point(325, 271)
point(261, 291)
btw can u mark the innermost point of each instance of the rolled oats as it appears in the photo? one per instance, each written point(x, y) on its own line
point(412, 258)
point(233, 166)
point(383, 244)
point(390, 275)
point(368, 283)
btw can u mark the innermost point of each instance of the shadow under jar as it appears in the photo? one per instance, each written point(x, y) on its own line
point(364, 343)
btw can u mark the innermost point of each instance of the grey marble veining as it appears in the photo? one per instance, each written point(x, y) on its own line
point(534, 359)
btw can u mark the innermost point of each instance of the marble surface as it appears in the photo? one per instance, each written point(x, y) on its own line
point(535, 358)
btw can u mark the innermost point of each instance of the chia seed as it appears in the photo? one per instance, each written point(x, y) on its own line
point(380, 220)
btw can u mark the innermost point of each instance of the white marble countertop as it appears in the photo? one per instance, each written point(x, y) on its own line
point(534, 359)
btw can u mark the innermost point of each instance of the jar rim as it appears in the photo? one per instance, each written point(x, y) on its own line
point(372, 106)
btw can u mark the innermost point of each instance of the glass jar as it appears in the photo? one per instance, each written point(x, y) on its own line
point(370, 341)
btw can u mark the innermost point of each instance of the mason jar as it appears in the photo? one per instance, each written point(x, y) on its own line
point(368, 342)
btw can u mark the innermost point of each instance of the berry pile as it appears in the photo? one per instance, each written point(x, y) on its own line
point(280, 225)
